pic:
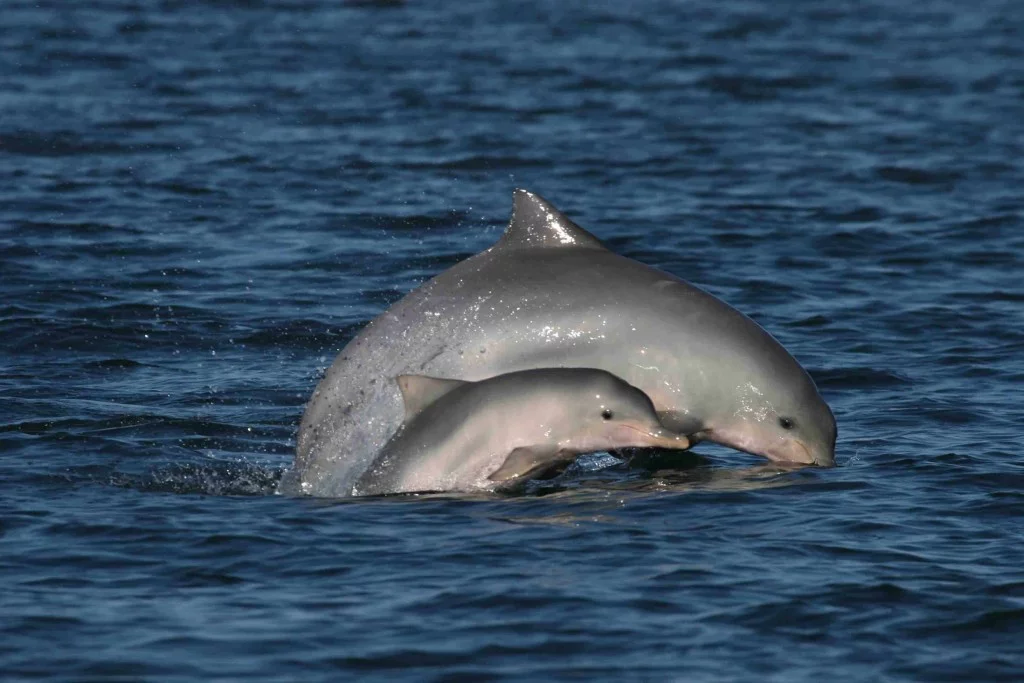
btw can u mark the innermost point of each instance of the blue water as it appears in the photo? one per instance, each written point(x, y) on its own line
point(201, 202)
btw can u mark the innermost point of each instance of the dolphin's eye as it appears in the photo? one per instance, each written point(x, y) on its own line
point(786, 422)
point(606, 414)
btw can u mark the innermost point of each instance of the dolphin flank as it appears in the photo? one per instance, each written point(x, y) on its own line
point(548, 294)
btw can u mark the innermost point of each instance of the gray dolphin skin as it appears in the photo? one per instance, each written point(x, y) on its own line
point(549, 294)
point(466, 436)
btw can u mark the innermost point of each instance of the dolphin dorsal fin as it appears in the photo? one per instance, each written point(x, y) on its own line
point(537, 223)
point(419, 391)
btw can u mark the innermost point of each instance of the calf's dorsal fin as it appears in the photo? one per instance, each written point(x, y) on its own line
point(419, 391)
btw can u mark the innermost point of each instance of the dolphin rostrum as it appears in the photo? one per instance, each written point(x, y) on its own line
point(463, 436)
point(549, 294)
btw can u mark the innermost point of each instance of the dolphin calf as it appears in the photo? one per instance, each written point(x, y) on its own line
point(549, 294)
point(462, 436)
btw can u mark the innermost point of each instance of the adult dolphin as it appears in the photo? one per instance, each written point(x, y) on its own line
point(549, 294)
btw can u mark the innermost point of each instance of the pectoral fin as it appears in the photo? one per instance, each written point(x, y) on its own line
point(531, 461)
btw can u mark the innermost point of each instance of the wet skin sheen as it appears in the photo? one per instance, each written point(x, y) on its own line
point(549, 294)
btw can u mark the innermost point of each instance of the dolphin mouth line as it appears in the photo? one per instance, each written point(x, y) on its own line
point(663, 441)
point(806, 450)
point(704, 435)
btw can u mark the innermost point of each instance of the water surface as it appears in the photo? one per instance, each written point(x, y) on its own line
point(201, 202)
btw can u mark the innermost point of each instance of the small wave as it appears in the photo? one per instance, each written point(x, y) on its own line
point(475, 162)
point(859, 378)
point(752, 89)
point(114, 364)
point(919, 84)
point(55, 144)
point(88, 229)
point(856, 242)
point(811, 321)
point(863, 214)
point(990, 295)
point(917, 176)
